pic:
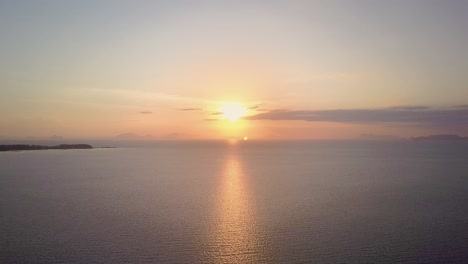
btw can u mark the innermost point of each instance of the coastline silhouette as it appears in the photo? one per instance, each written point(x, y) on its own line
point(19, 147)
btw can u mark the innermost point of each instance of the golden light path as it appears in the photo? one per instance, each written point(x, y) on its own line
point(235, 238)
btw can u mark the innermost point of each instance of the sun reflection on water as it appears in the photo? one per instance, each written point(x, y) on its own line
point(234, 237)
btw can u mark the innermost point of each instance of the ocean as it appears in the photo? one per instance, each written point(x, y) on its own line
point(245, 202)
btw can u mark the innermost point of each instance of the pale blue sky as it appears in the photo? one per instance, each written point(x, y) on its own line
point(94, 62)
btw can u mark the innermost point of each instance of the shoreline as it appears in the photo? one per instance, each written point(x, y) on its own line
point(26, 147)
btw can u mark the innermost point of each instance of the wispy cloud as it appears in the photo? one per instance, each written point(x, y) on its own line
point(128, 97)
point(407, 114)
point(146, 112)
point(190, 109)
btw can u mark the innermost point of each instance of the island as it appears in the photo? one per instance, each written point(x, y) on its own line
point(443, 137)
point(40, 147)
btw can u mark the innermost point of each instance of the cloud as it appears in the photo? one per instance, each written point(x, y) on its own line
point(146, 112)
point(217, 113)
point(408, 114)
point(190, 109)
point(128, 97)
point(210, 119)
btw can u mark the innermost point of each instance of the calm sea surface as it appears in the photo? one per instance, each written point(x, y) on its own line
point(246, 203)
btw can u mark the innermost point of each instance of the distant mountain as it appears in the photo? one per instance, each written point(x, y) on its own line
point(374, 137)
point(176, 136)
point(445, 137)
point(132, 136)
point(55, 137)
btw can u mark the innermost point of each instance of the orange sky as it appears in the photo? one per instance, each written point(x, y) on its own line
point(161, 70)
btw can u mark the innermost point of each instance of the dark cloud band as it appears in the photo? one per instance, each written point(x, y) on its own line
point(407, 114)
point(190, 109)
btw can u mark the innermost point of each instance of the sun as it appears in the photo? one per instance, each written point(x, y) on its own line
point(232, 110)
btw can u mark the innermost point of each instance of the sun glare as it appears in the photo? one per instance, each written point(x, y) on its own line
point(233, 110)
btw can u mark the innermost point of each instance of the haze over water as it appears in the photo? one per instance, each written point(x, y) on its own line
point(251, 202)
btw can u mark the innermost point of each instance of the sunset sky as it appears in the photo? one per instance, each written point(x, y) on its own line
point(294, 69)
